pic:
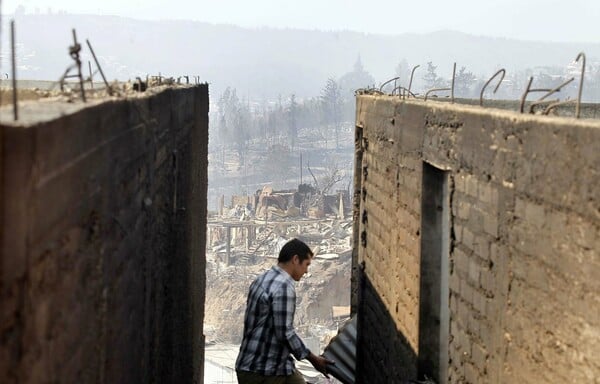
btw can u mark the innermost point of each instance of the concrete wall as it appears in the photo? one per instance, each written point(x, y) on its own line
point(587, 110)
point(103, 235)
point(523, 243)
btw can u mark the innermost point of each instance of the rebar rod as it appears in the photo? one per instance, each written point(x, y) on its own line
point(99, 67)
point(14, 70)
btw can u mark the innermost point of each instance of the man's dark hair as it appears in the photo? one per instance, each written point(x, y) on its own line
point(294, 247)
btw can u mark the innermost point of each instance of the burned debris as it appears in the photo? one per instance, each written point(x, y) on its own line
point(244, 239)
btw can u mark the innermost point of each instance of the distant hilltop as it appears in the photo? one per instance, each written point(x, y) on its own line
point(261, 62)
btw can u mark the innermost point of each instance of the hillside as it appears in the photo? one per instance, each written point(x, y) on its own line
point(265, 62)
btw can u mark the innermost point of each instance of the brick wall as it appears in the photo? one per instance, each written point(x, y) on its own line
point(524, 239)
point(103, 237)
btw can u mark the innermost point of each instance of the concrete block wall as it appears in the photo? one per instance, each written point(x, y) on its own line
point(524, 241)
point(586, 110)
point(103, 238)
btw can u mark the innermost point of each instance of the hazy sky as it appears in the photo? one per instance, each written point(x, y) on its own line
point(549, 20)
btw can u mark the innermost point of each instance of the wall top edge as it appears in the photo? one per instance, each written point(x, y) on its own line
point(486, 111)
point(47, 109)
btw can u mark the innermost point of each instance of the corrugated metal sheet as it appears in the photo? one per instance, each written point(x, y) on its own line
point(342, 350)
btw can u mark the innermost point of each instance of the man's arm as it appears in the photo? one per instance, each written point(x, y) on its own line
point(284, 306)
point(320, 363)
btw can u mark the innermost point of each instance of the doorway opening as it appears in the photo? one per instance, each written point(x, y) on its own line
point(434, 292)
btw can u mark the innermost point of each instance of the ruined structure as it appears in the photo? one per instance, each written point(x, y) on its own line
point(250, 220)
point(103, 209)
point(239, 250)
point(476, 244)
point(475, 247)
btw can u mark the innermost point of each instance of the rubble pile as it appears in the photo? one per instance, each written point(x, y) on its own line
point(231, 269)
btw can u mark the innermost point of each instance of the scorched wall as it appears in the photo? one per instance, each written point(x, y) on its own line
point(516, 218)
point(103, 235)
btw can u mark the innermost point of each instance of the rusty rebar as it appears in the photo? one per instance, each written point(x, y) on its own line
point(412, 73)
point(555, 89)
point(578, 106)
point(540, 102)
point(404, 91)
point(550, 92)
point(524, 95)
point(74, 52)
point(14, 71)
point(387, 82)
point(436, 90)
point(108, 88)
point(91, 74)
point(557, 103)
point(501, 70)
point(529, 90)
point(452, 86)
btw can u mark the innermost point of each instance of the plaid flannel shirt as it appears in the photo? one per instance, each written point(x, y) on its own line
point(269, 335)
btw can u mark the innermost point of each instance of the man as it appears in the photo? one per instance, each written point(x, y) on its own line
point(269, 336)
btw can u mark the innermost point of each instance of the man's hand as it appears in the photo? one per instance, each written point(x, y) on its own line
point(320, 363)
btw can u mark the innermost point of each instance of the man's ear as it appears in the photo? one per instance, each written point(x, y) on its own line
point(295, 259)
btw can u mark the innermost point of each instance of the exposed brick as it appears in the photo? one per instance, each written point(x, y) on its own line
point(490, 224)
point(486, 334)
point(488, 194)
point(480, 302)
point(472, 186)
point(461, 262)
point(474, 272)
point(464, 312)
point(487, 280)
point(475, 221)
point(468, 238)
point(461, 183)
point(471, 374)
point(482, 247)
point(495, 257)
point(520, 207)
point(464, 342)
point(534, 214)
point(464, 209)
point(454, 282)
point(523, 251)
point(479, 357)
